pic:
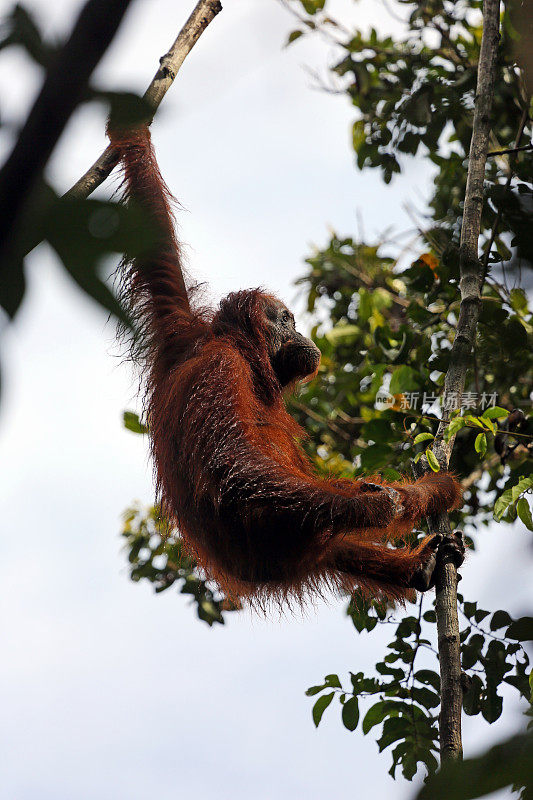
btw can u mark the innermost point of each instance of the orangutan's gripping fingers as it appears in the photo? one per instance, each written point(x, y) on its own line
point(422, 579)
point(453, 546)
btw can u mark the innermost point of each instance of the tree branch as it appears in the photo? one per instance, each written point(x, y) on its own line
point(523, 120)
point(471, 270)
point(204, 12)
point(511, 150)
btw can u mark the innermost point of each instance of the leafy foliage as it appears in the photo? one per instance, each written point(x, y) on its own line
point(387, 341)
point(19, 28)
point(157, 556)
point(385, 330)
point(415, 96)
point(83, 233)
point(404, 698)
point(508, 763)
point(385, 350)
point(490, 659)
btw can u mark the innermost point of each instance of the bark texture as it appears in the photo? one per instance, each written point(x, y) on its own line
point(471, 283)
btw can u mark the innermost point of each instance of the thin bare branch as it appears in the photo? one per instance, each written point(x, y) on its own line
point(169, 65)
point(476, 474)
point(522, 125)
point(511, 150)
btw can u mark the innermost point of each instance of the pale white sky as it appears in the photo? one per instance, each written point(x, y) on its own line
point(107, 690)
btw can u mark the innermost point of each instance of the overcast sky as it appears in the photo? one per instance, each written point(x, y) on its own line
point(109, 691)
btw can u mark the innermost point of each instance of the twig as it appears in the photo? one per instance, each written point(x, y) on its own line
point(455, 55)
point(523, 120)
point(511, 149)
point(476, 474)
point(204, 12)
point(319, 418)
point(471, 270)
point(63, 89)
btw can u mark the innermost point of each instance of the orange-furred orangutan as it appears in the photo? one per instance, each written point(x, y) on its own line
point(230, 472)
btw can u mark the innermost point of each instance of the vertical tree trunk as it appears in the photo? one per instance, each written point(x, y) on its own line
point(471, 270)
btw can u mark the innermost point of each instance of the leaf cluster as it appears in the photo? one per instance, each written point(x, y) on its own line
point(400, 698)
point(403, 697)
point(414, 95)
point(82, 233)
point(156, 555)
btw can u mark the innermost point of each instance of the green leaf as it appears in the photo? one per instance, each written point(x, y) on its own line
point(417, 107)
point(342, 333)
point(390, 474)
point(320, 706)
point(20, 28)
point(522, 630)
point(511, 495)
point(358, 134)
point(404, 379)
point(518, 299)
point(514, 335)
point(425, 697)
point(333, 680)
point(293, 36)
point(423, 437)
point(472, 696)
point(495, 412)
point(350, 713)
point(315, 690)
point(375, 456)
point(133, 423)
point(469, 609)
point(480, 444)
point(488, 424)
point(432, 460)
point(469, 418)
point(455, 425)
point(312, 6)
point(499, 620)
point(502, 504)
point(209, 612)
point(522, 486)
point(375, 715)
point(82, 232)
point(471, 650)
point(503, 765)
point(524, 512)
point(429, 677)
point(491, 706)
point(394, 728)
